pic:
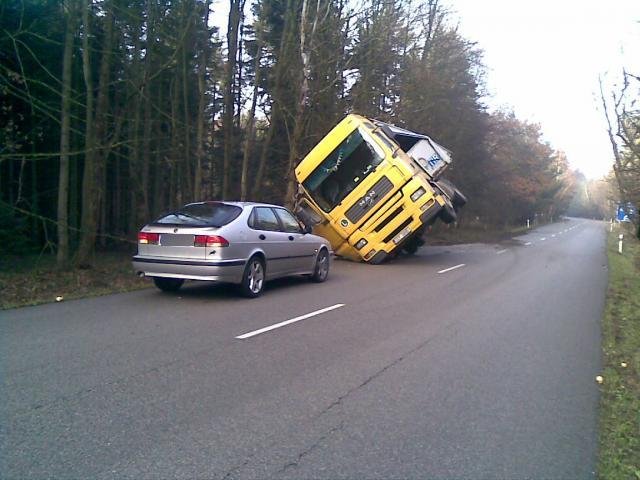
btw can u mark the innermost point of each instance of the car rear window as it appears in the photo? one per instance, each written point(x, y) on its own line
point(211, 214)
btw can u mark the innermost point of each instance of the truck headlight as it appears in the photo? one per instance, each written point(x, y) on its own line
point(417, 194)
point(361, 243)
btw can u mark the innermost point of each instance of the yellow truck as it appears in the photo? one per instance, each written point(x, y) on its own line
point(372, 188)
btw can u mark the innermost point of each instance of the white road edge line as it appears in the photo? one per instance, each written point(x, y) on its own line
point(452, 268)
point(288, 322)
point(500, 252)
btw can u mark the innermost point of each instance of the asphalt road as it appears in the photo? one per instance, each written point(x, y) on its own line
point(481, 371)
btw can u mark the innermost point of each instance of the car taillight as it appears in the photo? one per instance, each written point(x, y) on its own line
point(210, 241)
point(149, 238)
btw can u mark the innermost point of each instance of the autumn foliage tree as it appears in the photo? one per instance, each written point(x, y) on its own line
point(112, 111)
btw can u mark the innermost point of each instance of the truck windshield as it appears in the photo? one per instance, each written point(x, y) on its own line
point(350, 163)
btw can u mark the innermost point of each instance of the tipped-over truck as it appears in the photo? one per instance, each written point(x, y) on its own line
point(372, 189)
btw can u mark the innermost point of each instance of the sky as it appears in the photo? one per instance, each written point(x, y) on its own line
point(543, 60)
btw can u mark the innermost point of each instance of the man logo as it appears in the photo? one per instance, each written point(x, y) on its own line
point(175, 230)
point(344, 222)
point(368, 199)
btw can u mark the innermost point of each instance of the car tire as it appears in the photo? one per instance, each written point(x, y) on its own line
point(253, 278)
point(321, 268)
point(168, 284)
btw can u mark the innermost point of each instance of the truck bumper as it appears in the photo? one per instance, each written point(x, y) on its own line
point(396, 223)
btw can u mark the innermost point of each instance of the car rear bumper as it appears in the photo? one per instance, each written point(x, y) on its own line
point(220, 270)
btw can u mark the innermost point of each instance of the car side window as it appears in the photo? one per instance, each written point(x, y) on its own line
point(265, 219)
point(289, 222)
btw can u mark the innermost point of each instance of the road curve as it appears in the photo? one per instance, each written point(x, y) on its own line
point(469, 361)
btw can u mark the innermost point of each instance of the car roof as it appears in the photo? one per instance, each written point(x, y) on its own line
point(239, 204)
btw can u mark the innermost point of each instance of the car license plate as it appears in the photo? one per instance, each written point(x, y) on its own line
point(402, 235)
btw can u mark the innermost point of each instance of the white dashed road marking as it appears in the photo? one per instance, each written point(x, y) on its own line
point(452, 268)
point(288, 322)
point(500, 252)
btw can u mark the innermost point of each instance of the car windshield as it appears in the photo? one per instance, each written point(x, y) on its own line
point(209, 214)
point(350, 163)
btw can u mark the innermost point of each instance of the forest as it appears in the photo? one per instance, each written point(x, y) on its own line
point(113, 111)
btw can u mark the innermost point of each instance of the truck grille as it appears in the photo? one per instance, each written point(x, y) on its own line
point(369, 200)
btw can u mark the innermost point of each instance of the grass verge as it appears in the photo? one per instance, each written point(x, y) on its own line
point(441, 234)
point(32, 280)
point(619, 453)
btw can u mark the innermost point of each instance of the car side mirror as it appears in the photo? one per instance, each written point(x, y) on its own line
point(306, 229)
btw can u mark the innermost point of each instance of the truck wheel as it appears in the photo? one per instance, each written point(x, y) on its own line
point(413, 244)
point(448, 214)
point(458, 199)
point(411, 247)
point(168, 284)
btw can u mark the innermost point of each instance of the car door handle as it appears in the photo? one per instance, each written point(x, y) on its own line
point(262, 237)
point(291, 237)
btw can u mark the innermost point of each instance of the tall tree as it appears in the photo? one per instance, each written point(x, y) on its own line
point(65, 132)
point(235, 12)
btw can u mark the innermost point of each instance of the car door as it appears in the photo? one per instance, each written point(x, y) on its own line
point(268, 236)
point(301, 251)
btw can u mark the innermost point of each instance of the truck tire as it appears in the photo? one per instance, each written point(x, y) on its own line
point(448, 214)
point(412, 246)
point(458, 199)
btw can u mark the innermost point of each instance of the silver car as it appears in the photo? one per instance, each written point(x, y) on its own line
point(236, 242)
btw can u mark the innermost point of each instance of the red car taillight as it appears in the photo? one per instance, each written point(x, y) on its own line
point(149, 238)
point(210, 241)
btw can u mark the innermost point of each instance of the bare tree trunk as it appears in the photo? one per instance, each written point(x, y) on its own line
point(135, 149)
point(202, 103)
point(87, 219)
point(229, 99)
point(186, 161)
point(276, 111)
point(92, 184)
point(305, 53)
point(239, 63)
point(251, 121)
point(62, 258)
point(617, 165)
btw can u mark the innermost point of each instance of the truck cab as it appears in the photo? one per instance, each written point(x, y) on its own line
point(370, 188)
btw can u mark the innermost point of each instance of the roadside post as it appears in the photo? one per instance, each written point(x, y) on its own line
point(620, 237)
point(528, 223)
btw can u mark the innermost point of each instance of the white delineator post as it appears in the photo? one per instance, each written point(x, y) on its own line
point(528, 223)
point(620, 237)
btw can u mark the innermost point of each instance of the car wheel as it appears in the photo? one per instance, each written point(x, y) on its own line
point(253, 278)
point(168, 284)
point(321, 269)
